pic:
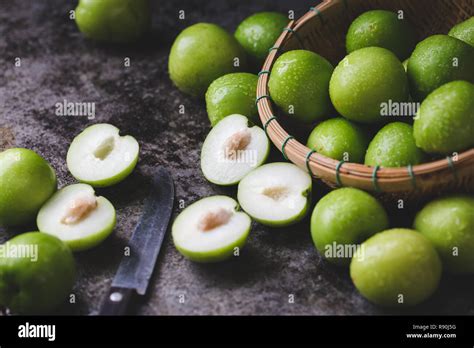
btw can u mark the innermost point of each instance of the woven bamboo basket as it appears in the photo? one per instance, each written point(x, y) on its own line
point(322, 30)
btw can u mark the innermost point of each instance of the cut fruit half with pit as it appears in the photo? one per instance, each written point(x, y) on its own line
point(211, 229)
point(232, 149)
point(77, 216)
point(99, 156)
point(276, 194)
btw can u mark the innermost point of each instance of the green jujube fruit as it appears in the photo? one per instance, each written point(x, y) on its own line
point(364, 81)
point(445, 120)
point(38, 281)
point(394, 146)
point(211, 229)
point(26, 182)
point(397, 267)
point(448, 223)
point(200, 54)
point(381, 28)
point(344, 218)
point(299, 83)
point(101, 157)
point(232, 94)
point(437, 60)
point(258, 33)
point(339, 139)
point(113, 20)
point(464, 31)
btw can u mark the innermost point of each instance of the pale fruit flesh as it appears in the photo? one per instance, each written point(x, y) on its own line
point(211, 229)
point(276, 194)
point(233, 149)
point(101, 157)
point(76, 216)
point(397, 267)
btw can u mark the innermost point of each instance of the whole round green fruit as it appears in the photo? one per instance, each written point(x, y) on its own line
point(464, 31)
point(299, 83)
point(37, 273)
point(339, 139)
point(258, 33)
point(394, 146)
point(200, 54)
point(113, 20)
point(437, 60)
point(364, 81)
point(232, 94)
point(445, 120)
point(381, 28)
point(448, 223)
point(342, 220)
point(396, 267)
point(26, 182)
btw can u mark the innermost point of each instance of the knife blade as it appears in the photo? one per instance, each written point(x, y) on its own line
point(135, 270)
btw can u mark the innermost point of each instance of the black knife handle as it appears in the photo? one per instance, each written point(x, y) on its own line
point(116, 301)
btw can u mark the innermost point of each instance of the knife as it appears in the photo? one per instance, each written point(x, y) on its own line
point(135, 270)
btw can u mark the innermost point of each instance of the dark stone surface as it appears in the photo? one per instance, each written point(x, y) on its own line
point(58, 63)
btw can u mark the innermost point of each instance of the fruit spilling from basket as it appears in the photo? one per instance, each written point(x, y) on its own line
point(389, 103)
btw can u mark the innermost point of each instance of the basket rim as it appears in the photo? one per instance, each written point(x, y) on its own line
point(314, 160)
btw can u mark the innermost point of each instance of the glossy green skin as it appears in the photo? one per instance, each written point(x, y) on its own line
point(28, 287)
point(200, 54)
point(26, 182)
point(116, 21)
point(381, 29)
point(397, 262)
point(445, 120)
point(464, 31)
point(364, 80)
point(232, 94)
point(339, 138)
point(449, 223)
point(258, 33)
point(394, 146)
point(346, 216)
point(431, 64)
point(300, 79)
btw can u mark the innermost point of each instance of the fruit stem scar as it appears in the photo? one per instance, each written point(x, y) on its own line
point(276, 192)
point(79, 208)
point(214, 219)
point(105, 148)
point(237, 142)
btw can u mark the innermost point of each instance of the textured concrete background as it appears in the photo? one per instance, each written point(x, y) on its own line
point(57, 63)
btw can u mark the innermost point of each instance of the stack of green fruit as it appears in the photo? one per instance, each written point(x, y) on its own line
point(71, 219)
point(371, 84)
